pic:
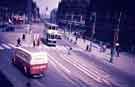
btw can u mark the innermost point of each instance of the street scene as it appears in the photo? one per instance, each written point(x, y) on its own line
point(66, 43)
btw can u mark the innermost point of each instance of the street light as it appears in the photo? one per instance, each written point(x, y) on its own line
point(93, 18)
point(29, 14)
point(116, 36)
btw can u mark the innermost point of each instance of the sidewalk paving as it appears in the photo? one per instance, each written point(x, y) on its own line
point(126, 62)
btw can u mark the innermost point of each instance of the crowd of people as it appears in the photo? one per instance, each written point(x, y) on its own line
point(36, 42)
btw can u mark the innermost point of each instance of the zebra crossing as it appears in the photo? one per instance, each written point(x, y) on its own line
point(5, 46)
point(9, 46)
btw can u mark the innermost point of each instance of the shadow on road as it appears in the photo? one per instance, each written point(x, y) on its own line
point(4, 82)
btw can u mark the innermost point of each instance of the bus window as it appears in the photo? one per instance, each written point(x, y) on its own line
point(49, 27)
point(53, 28)
point(51, 36)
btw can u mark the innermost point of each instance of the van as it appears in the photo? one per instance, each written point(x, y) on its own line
point(30, 60)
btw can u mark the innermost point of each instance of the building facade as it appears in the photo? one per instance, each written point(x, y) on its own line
point(109, 25)
point(72, 13)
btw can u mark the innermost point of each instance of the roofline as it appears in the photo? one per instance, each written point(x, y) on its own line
point(27, 51)
point(52, 24)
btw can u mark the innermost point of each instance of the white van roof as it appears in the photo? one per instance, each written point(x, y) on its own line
point(34, 54)
point(51, 24)
point(32, 50)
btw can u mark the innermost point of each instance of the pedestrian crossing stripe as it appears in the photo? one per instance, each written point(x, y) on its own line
point(13, 46)
point(6, 46)
point(1, 48)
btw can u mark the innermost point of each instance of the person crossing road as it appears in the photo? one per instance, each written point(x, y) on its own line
point(23, 37)
point(18, 42)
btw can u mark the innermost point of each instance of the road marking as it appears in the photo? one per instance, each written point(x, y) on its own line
point(61, 73)
point(83, 70)
point(6, 46)
point(95, 75)
point(65, 69)
point(43, 45)
point(61, 48)
point(11, 45)
point(1, 48)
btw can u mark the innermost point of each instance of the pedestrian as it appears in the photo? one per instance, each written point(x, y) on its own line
point(87, 47)
point(117, 48)
point(112, 55)
point(101, 46)
point(69, 51)
point(38, 42)
point(23, 37)
point(18, 42)
point(104, 48)
point(76, 38)
point(84, 39)
point(34, 43)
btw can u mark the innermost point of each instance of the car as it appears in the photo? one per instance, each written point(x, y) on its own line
point(33, 63)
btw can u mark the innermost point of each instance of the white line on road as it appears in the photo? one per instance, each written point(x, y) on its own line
point(83, 70)
point(68, 71)
point(11, 45)
point(61, 73)
point(6, 46)
point(1, 48)
point(93, 73)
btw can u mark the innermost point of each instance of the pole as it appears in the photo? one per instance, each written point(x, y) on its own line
point(29, 11)
point(29, 15)
point(116, 32)
point(93, 30)
point(116, 37)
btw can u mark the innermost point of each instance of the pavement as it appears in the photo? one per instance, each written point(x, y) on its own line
point(125, 62)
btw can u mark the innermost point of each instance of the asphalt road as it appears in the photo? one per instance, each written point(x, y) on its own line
point(79, 69)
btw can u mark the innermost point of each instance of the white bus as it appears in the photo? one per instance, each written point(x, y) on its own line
point(50, 33)
point(31, 61)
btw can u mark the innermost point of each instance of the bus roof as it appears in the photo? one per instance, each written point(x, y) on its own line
point(51, 24)
point(32, 50)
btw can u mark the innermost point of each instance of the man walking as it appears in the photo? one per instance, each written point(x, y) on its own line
point(117, 48)
point(112, 55)
point(70, 48)
point(18, 42)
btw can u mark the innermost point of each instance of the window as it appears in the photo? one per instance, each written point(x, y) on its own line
point(53, 28)
point(51, 36)
point(22, 55)
point(49, 27)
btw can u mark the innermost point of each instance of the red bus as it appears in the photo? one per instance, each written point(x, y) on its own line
point(31, 61)
point(18, 19)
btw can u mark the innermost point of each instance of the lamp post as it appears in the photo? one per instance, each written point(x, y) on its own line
point(116, 36)
point(93, 29)
point(29, 15)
